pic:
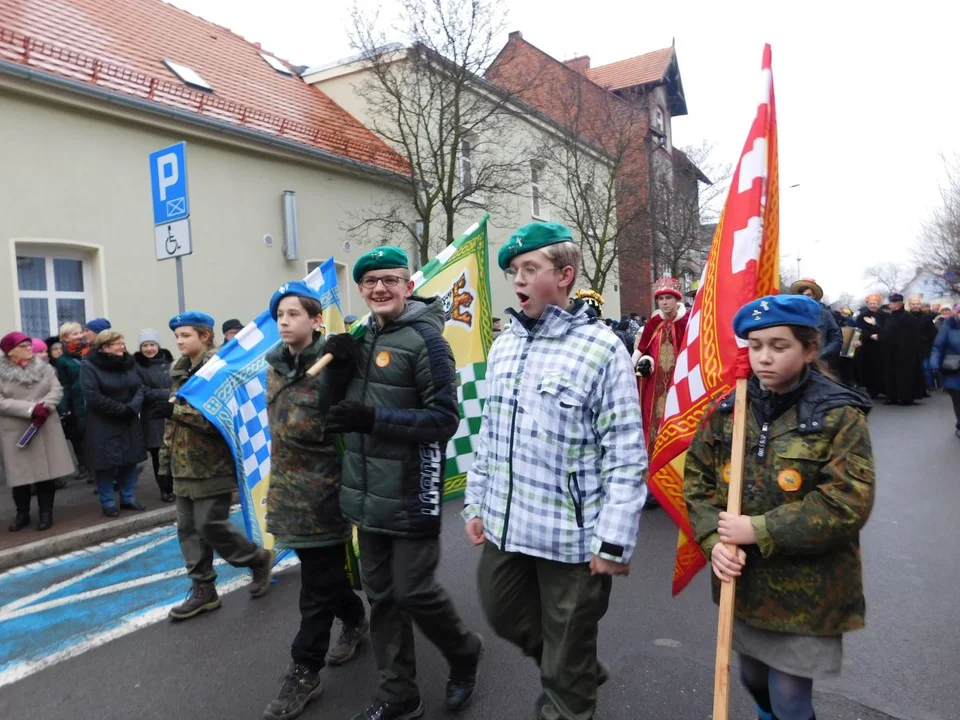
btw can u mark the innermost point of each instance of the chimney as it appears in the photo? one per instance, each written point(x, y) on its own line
point(579, 64)
point(515, 35)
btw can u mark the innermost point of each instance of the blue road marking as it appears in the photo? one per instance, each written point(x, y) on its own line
point(61, 607)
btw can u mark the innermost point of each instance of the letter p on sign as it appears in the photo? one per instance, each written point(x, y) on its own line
point(168, 173)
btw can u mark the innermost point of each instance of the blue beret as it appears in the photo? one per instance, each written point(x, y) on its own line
point(381, 258)
point(532, 237)
point(191, 318)
point(775, 310)
point(98, 325)
point(298, 288)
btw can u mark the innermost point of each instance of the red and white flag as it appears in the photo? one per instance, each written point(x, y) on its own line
point(743, 264)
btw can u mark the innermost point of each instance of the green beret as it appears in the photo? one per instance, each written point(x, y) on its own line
point(381, 258)
point(532, 237)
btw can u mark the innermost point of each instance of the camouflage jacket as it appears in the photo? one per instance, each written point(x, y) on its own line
point(808, 486)
point(303, 503)
point(194, 452)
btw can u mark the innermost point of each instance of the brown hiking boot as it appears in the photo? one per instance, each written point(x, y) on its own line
point(202, 598)
point(346, 646)
point(262, 570)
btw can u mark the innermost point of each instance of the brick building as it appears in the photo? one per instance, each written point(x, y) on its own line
point(634, 99)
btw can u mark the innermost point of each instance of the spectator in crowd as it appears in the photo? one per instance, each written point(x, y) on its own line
point(29, 393)
point(113, 442)
point(349, 321)
point(72, 407)
point(230, 329)
point(945, 359)
point(94, 328)
point(153, 367)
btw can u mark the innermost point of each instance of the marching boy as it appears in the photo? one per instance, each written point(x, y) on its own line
point(555, 492)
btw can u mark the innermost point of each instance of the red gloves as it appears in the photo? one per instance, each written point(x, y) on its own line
point(40, 414)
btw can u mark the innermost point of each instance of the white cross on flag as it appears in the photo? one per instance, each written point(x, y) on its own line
point(743, 265)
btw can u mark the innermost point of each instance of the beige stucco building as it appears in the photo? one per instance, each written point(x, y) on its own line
point(83, 104)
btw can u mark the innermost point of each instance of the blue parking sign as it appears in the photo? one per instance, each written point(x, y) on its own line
point(168, 183)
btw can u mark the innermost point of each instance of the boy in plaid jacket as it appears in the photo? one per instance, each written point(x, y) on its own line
point(555, 492)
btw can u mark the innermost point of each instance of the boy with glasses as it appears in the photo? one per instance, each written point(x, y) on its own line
point(400, 410)
point(557, 484)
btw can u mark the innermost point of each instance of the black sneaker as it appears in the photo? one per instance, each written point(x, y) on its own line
point(380, 710)
point(463, 680)
point(347, 644)
point(300, 686)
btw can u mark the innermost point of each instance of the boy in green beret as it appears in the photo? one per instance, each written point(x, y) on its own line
point(557, 484)
point(400, 410)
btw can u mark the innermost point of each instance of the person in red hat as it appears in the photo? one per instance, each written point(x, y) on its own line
point(656, 355)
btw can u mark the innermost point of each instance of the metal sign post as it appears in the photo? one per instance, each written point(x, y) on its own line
point(171, 209)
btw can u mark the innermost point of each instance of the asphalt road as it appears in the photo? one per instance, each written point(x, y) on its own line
point(227, 664)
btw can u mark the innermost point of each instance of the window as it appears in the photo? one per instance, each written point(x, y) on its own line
point(53, 287)
point(276, 64)
point(658, 123)
point(466, 165)
point(188, 75)
point(538, 206)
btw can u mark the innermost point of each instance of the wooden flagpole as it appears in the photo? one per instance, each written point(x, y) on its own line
point(721, 678)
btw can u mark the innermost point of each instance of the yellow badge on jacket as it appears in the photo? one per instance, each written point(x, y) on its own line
point(383, 359)
point(789, 480)
point(726, 472)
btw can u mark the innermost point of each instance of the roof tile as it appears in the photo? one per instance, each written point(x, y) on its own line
point(640, 70)
point(120, 45)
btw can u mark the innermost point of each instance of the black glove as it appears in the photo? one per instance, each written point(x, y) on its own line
point(645, 368)
point(343, 347)
point(351, 416)
point(160, 411)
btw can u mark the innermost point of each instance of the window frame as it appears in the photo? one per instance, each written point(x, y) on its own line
point(91, 256)
point(470, 141)
point(539, 208)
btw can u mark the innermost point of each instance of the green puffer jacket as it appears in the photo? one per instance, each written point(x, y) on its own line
point(72, 406)
point(303, 503)
point(194, 452)
point(808, 486)
point(393, 477)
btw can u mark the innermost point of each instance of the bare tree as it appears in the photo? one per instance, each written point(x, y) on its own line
point(788, 272)
point(427, 99)
point(844, 299)
point(889, 276)
point(594, 185)
point(684, 197)
point(939, 245)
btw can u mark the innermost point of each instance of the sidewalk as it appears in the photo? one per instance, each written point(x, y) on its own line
point(77, 521)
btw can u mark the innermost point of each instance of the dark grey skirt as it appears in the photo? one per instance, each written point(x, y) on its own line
point(806, 656)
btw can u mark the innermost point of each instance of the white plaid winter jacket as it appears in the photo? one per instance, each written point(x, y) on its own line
point(560, 468)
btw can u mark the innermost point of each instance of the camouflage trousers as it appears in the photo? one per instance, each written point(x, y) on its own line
point(203, 526)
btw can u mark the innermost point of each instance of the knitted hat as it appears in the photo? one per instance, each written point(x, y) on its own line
point(231, 324)
point(9, 341)
point(98, 325)
point(149, 335)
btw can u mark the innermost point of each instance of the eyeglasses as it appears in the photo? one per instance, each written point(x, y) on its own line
point(526, 272)
point(389, 281)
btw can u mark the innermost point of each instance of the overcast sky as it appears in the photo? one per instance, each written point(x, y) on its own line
point(866, 99)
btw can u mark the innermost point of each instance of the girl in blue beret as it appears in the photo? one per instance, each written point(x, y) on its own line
point(808, 487)
point(197, 457)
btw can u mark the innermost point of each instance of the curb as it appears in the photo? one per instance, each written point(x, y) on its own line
point(77, 539)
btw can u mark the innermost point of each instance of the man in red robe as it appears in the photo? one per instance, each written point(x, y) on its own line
point(656, 355)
